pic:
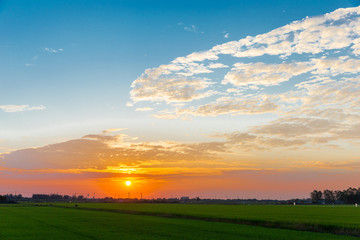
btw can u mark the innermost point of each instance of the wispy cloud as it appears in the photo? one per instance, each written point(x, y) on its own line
point(243, 74)
point(53, 50)
point(20, 108)
point(189, 28)
point(145, 109)
point(33, 59)
point(113, 130)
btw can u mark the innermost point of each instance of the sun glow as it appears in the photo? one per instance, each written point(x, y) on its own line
point(128, 183)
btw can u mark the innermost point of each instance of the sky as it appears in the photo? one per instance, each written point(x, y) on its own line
point(210, 99)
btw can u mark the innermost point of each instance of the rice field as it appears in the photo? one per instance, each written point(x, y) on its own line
point(319, 218)
point(165, 221)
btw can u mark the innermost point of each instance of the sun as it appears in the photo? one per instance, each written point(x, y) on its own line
point(128, 183)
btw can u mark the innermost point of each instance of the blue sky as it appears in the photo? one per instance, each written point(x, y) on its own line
point(105, 45)
point(180, 72)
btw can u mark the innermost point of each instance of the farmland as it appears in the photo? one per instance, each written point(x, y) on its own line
point(109, 221)
point(337, 219)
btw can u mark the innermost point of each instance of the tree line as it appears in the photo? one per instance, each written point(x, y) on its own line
point(348, 196)
point(13, 198)
point(10, 198)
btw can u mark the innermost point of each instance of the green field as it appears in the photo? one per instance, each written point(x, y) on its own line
point(338, 219)
point(45, 222)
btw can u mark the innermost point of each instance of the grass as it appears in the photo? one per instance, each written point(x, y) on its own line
point(340, 219)
point(19, 222)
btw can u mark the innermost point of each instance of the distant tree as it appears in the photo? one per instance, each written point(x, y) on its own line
point(338, 195)
point(329, 196)
point(357, 200)
point(351, 195)
point(2, 199)
point(66, 197)
point(348, 196)
point(316, 196)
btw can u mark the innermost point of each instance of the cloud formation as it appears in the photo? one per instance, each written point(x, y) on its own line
point(83, 164)
point(305, 73)
point(327, 45)
point(108, 153)
point(103, 151)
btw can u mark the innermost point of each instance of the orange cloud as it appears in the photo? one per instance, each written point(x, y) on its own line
point(102, 162)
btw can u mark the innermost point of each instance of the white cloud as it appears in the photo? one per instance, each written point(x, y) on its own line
point(145, 109)
point(336, 66)
point(227, 105)
point(309, 67)
point(53, 50)
point(224, 105)
point(217, 65)
point(264, 74)
point(129, 104)
point(170, 89)
point(273, 74)
point(196, 57)
point(20, 108)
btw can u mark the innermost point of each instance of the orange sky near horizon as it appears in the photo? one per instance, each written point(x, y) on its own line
point(90, 166)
